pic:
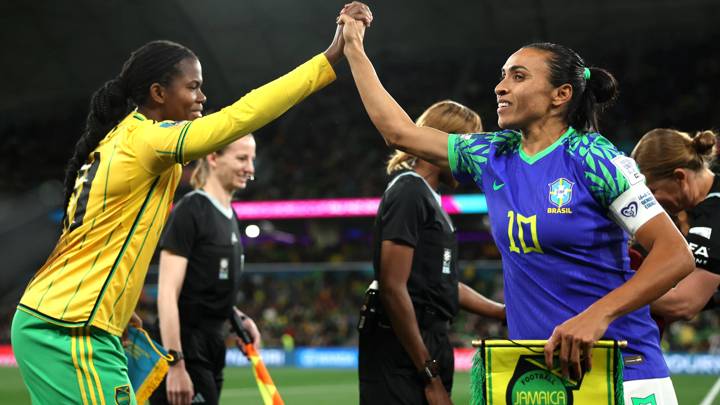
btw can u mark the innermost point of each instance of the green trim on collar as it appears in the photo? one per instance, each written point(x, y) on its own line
point(534, 158)
point(452, 154)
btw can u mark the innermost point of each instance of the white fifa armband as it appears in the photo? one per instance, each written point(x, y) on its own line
point(633, 208)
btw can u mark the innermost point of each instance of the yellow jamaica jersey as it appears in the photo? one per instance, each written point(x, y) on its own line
point(123, 195)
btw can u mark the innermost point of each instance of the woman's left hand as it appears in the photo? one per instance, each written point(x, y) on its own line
point(575, 339)
point(252, 328)
point(249, 325)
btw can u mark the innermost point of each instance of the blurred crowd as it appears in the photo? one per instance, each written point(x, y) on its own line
point(316, 307)
point(327, 147)
point(319, 151)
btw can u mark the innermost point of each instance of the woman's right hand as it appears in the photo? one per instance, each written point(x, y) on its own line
point(179, 385)
point(356, 11)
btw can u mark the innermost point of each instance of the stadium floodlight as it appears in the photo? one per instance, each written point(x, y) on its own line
point(252, 231)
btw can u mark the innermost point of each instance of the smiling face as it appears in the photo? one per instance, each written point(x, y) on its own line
point(235, 165)
point(183, 98)
point(525, 94)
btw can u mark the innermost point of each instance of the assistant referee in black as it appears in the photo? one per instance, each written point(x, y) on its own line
point(201, 260)
point(677, 168)
point(405, 355)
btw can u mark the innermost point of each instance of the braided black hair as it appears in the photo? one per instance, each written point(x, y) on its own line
point(154, 62)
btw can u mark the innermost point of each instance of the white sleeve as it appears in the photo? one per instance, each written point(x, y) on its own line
point(633, 208)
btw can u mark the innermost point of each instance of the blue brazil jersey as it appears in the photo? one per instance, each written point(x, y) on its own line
point(559, 219)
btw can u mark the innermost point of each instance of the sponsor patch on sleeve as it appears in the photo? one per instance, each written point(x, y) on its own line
point(633, 208)
point(629, 169)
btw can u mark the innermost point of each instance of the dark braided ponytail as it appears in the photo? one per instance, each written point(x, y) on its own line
point(594, 89)
point(108, 105)
point(154, 62)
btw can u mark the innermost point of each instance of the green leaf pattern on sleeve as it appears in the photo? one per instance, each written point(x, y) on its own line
point(469, 153)
point(605, 180)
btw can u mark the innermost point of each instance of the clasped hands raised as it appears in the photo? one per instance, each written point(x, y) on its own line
point(354, 18)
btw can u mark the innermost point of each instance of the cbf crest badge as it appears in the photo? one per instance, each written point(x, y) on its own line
point(560, 196)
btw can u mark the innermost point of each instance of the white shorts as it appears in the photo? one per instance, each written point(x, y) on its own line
point(653, 391)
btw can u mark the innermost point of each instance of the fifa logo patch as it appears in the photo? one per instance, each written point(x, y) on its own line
point(224, 269)
point(447, 258)
point(560, 195)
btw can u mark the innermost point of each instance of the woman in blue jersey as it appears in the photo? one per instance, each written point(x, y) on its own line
point(561, 199)
point(677, 168)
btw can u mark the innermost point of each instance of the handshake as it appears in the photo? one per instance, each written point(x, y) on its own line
point(356, 11)
point(351, 23)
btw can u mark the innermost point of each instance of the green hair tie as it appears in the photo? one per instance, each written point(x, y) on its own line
point(586, 73)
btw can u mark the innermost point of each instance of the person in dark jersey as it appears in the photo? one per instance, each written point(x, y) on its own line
point(561, 201)
point(406, 357)
point(677, 168)
point(201, 259)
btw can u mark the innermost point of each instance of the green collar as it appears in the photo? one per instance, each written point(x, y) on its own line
point(138, 116)
point(534, 158)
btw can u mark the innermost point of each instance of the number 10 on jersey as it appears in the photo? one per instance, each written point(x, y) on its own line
point(522, 223)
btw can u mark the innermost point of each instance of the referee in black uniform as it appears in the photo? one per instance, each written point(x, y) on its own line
point(200, 265)
point(405, 356)
point(677, 170)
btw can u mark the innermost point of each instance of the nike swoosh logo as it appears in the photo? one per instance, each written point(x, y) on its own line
point(496, 186)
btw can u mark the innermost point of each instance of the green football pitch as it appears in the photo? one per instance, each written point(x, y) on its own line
point(332, 387)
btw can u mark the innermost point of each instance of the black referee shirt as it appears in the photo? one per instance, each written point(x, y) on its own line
point(704, 233)
point(207, 234)
point(410, 214)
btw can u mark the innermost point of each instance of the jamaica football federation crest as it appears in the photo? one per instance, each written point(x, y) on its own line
point(532, 383)
point(560, 196)
point(513, 372)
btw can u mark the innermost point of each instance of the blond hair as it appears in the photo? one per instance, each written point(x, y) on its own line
point(448, 116)
point(661, 151)
point(201, 172)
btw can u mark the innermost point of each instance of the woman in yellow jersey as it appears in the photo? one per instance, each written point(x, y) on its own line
point(141, 127)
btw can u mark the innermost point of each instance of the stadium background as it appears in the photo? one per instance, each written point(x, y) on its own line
point(305, 277)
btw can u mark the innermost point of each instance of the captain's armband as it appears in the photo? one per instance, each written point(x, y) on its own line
point(633, 208)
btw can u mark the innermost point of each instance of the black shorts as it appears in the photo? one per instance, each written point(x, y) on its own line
point(204, 361)
point(387, 374)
